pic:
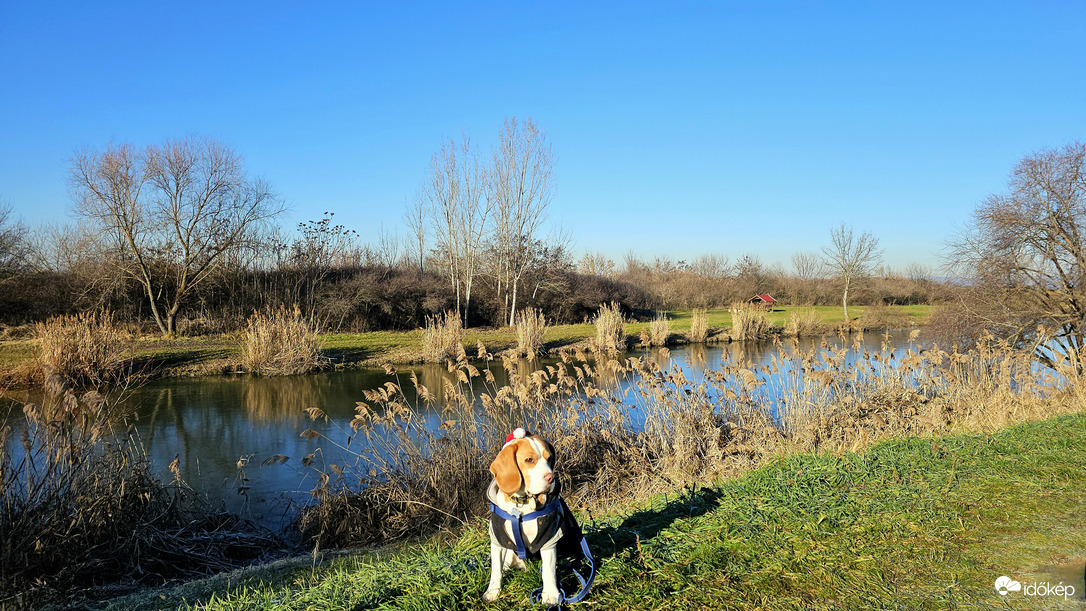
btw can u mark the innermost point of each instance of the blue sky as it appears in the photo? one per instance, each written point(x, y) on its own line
point(680, 128)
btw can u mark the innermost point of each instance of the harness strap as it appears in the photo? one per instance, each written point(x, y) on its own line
point(518, 519)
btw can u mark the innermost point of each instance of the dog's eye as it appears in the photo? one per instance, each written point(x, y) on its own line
point(529, 460)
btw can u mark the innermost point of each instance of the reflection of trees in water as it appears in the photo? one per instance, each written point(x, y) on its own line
point(282, 399)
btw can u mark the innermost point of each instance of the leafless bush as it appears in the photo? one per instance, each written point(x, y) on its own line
point(83, 349)
point(531, 327)
point(610, 329)
point(748, 322)
point(441, 339)
point(699, 326)
point(281, 342)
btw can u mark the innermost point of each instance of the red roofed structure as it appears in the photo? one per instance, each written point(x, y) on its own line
point(765, 301)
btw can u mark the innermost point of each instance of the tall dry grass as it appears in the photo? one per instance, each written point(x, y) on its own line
point(84, 349)
point(610, 329)
point(881, 316)
point(658, 331)
point(748, 322)
point(281, 342)
point(804, 322)
point(442, 339)
point(699, 326)
point(83, 515)
point(633, 427)
point(531, 328)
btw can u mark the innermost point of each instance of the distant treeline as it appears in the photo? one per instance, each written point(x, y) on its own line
point(374, 296)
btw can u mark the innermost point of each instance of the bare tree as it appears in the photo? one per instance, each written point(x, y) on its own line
point(456, 201)
point(710, 265)
point(415, 241)
point(1025, 254)
point(850, 257)
point(522, 190)
point(387, 250)
point(806, 266)
point(15, 246)
point(173, 211)
point(596, 264)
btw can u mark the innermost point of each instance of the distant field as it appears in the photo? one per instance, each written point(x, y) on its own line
point(216, 354)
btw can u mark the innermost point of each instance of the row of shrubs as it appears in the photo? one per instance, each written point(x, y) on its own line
point(373, 297)
point(342, 299)
point(90, 349)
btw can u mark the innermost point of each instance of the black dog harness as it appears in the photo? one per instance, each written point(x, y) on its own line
point(553, 516)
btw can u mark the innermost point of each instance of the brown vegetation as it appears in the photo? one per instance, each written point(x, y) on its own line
point(531, 327)
point(804, 322)
point(658, 331)
point(610, 329)
point(699, 326)
point(441, 339)
point(281, 342)
point(84, 349)
point(81, 510)
point(748, 322)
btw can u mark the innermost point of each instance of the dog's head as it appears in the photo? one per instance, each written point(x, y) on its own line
point(525, 463)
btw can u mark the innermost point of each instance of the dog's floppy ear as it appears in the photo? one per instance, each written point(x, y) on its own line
point(505, 469)
point(548, 450)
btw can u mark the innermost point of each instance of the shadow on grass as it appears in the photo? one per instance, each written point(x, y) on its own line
point(556, 344)
point(152, 364)
point(646, 524)
point(349, 354)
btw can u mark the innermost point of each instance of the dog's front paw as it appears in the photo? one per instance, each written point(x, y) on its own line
point(550, 597)
point(491, 595)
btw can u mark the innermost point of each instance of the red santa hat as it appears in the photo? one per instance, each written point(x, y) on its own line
point(515, 435)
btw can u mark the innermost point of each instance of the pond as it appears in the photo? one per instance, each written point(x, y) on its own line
point(214, 425)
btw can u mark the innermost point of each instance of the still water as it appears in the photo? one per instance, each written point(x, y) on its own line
point(213, 424)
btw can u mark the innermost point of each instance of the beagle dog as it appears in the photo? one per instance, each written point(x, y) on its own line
point(527, 515)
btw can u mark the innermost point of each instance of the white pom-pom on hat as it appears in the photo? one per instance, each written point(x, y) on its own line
point(519, 433)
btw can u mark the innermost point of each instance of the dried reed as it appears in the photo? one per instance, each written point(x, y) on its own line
point(85, 349)
point(531, 327)
point(748, 322)
point(804, 322)
point(81, 510)
point(610, 329)
point(657, 430)
point(658, 331)
point(699, 326)
point(281, 342)
point(441, 339)
point(881, 316)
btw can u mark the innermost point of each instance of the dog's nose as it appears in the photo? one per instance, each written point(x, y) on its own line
point(548, 477)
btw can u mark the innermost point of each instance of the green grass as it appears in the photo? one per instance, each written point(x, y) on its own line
point(912, 523)
point(213, 354)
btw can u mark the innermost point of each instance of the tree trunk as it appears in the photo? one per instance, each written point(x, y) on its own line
point(513, 308)
point(154, 309)
point(844, 302)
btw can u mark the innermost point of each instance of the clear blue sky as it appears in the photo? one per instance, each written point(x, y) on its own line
point(680, 127)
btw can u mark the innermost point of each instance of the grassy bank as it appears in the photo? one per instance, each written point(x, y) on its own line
point(913, 523)
point(216, 354)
